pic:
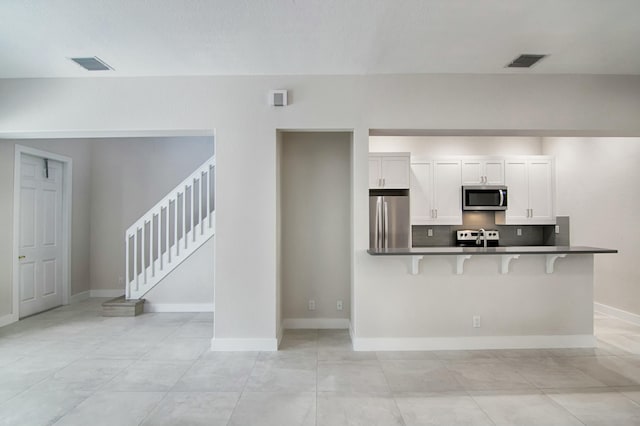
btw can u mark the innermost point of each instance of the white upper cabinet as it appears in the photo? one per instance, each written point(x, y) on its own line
point(531, 189)
point(447, 192)
point(541, 191)
point(436, 196)
point(517, 177)
point(482, 172)
point(389, 170)
point(375, 171)
point(421, 193)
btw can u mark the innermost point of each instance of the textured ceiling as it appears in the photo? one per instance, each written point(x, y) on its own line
point(257, 37)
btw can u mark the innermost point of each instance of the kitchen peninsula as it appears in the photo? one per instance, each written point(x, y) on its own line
point(532, 289)
point(448, 298)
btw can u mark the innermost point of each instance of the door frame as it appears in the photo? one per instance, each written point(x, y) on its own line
point(67, 187)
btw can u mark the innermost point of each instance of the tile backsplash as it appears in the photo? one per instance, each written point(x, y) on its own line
point(532, 235)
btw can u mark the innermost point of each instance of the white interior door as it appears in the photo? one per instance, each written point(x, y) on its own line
point(40, 235)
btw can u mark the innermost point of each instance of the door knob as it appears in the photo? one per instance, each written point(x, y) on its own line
point(22, 257)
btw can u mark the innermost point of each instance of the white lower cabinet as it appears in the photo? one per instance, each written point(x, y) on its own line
point(436, 194)
point(531, 189)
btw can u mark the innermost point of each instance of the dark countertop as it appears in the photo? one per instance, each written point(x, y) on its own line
point(453, 251)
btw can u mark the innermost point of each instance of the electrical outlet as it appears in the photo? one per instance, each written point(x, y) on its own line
point(429, 232)
point(519, 232)
point(476, 321)
point(312, 305)
point(557, 229)
point(339, 305)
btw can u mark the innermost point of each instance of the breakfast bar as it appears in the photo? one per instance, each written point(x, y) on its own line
point(552, 253)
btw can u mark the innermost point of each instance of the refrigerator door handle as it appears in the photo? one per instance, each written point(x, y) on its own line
point(386, 225)
point(378, 222)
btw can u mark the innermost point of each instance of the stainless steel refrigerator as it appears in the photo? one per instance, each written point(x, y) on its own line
point(389, 218)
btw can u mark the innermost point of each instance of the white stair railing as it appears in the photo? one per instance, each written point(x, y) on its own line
point(170, 231)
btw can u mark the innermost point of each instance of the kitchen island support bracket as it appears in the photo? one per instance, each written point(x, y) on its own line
point(460, 263)
point(506, 259)
point(551, 260)
point(415, 264)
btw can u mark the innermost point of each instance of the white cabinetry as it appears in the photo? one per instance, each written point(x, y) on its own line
point(482, 172)
point(436, 196)
point(421, 193)
point(389, 170)
point(531, 190)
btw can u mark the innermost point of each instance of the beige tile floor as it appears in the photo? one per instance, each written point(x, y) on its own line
point(71, 366)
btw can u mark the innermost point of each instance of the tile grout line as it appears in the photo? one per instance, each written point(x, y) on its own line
point(393, 395)
point(154, 409)
point(159, 403)
point(480, 407)
point(235, 407)
point(562, 407)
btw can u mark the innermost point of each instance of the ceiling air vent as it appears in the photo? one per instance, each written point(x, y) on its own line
point(92, 64)
point(525, 61)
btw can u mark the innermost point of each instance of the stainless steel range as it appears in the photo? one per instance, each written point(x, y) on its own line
point(478, 238)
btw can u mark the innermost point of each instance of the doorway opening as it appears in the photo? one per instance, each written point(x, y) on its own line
point(314, 229)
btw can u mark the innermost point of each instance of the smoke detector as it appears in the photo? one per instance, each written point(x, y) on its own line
point(278, 97)
point(92, 64)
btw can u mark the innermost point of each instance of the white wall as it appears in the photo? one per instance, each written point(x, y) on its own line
point(246, 150)
point(279, 328)
point(189, 286)
point(315, 213)
point(434, 146)
point(597, 187)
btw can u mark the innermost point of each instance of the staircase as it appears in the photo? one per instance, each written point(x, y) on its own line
point(170, 231)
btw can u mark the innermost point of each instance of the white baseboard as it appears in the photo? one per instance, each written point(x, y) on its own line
point(244, 345)
point(112, 292)
point(7, 319)
point(178, 307)
point(616, 313)
point(79, 297)
point(280, 334)
point(321, 323)
point(471, 343)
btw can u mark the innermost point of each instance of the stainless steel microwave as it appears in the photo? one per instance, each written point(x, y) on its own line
point(484, 197)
